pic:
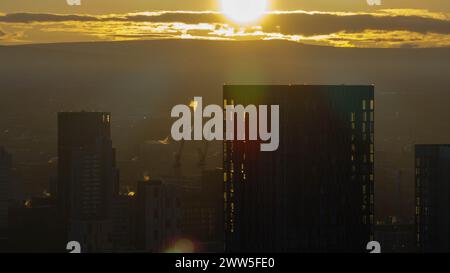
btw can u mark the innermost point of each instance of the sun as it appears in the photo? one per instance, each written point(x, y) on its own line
point(244, 11)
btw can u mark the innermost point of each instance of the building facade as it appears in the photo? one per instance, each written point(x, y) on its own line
point(5, 191)
point(87, 177)
point(202, 212)
point(432, 171)
point(316, 192)
point(158, 216)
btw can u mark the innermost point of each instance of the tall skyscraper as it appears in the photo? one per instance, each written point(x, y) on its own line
point(313, 194)
point(432, 198)
point(5, 190)
point(87, 177)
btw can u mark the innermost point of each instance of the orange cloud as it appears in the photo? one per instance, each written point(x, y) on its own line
point(384, 28)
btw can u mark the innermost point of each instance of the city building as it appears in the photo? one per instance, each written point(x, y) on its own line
point(315, 193)
point(395, 236)
point(202, 213)
point(432, 169)
point(35, 226)
point(5, 192)
point(87, 178)
point(158, 216)
point(123, 222)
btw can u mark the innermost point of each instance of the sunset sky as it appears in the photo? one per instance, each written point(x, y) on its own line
point(343, 23)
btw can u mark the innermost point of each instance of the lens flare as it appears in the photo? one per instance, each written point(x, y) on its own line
point(244, 11)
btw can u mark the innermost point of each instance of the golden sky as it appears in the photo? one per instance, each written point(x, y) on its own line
point(124, 6)
point(343, 23)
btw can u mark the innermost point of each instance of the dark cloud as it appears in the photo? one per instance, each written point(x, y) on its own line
point(183, 17)
point(285, 23)
point(43, 17)
point(314, 24)
point(2, 34)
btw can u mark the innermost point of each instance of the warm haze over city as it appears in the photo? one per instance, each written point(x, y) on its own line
point(92, 154)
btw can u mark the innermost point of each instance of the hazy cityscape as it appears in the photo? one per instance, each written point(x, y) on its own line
point(88, 163)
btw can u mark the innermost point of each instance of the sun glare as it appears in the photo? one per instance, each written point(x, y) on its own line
point(244, 11)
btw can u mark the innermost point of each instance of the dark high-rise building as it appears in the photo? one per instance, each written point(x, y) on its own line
point(5, 191)
point(432, 198)
point(87, 177)
point(315, 192)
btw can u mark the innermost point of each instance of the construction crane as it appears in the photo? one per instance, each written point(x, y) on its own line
point(177, 163)
point(202, 157)
point(179, 153)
